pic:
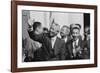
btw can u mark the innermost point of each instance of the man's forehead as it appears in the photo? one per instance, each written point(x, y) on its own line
point(55, 25)
point(65, 27)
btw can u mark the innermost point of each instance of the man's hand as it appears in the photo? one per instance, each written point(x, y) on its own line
point(37, 44)
point(34, 44)
point(30, 24)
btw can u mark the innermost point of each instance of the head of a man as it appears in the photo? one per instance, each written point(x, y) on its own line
point(37, 28)
point(75, 31)
point(54, 30)
point(87, 32)
point(64, 31)
point(45, 30)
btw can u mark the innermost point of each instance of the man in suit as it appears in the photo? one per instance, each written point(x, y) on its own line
point(64, 33)
point(75, 46)
point(57, 44)
point(53, 48)
point(43, 53)
point(29, 46)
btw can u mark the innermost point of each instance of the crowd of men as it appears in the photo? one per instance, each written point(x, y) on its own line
point(45, 45)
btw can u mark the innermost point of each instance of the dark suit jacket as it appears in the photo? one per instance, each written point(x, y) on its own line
point(43, 53)
point(58, 52)
point(69, 47)
point(67, 53)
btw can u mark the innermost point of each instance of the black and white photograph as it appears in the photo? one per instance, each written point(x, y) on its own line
point(55, 36)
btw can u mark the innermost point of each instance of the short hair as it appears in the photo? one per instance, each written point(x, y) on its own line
point(56, 24)
point(35, 25)
point(45, 29)
point(66, 26)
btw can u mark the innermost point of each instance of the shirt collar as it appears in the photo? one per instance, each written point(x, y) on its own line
point(76, 41)
point(54, 38)
point(65, 39)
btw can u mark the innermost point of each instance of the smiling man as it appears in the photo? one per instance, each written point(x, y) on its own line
point(75, 46)
point(58, 45)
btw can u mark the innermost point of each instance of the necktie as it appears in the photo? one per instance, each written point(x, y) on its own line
point(74, 49)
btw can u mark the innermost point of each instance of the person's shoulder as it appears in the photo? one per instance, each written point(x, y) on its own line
point(69, 41)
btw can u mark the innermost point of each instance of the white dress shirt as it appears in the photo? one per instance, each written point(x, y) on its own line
point(53, 40)
point(65, 39)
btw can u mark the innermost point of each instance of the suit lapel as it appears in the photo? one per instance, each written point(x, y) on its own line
point(56, 45)
point(80, 42)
